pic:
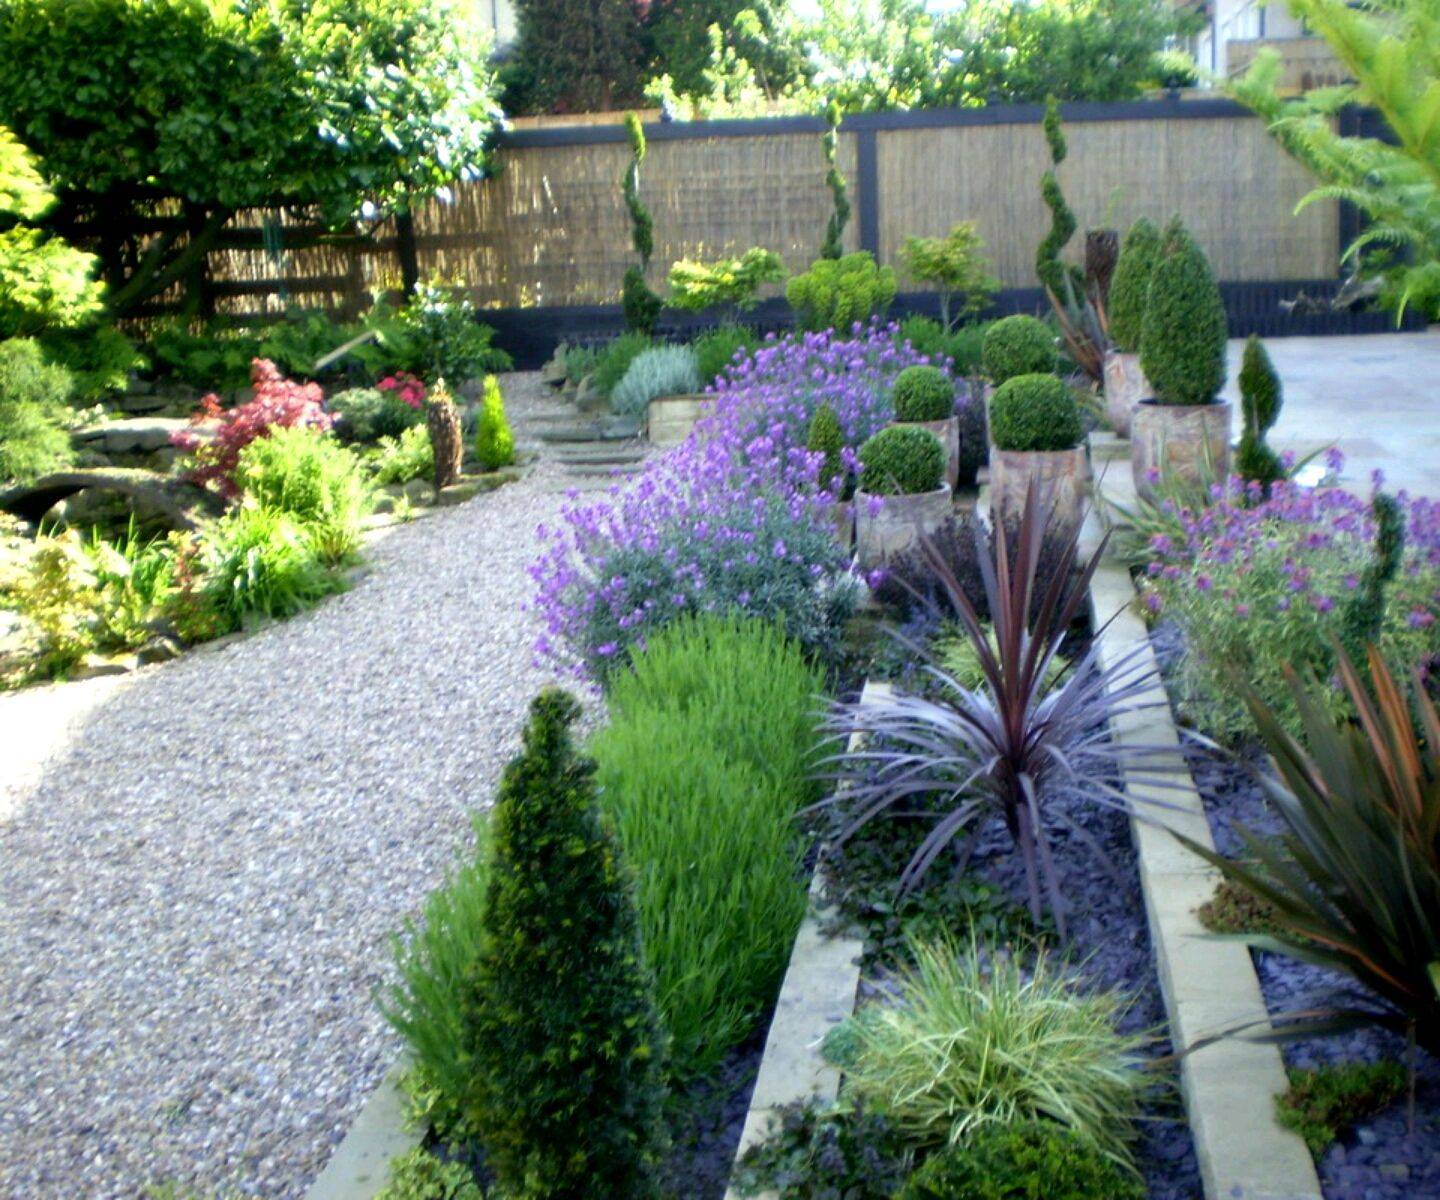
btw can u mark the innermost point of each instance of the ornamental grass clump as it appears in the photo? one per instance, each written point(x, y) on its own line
point(659, 371)
point(1182, 341)
point(1035, 412)
point(1130, 285)
point(975, 1039)
point(902, 460)
point(565, 1048)
point(923, 394)
point(1018, 345)
point(705, 762)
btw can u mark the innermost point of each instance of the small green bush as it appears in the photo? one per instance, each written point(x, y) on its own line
point(616, 358)
point(309, 476)
point(716, 350)
point(1260, 402)
point(566, 1049)
point(706, 760)
point(966, 348)
point(494, 442)
point(1322, 1105)
point(1034, 1160)
point(1035, 412)
point(260, 563)
point(923, 394)
point(826, 437)
point(1182, 344)
point(1130, 284)
point(837, 293)
point(926, 335)
point(640, 305)
point(978, 1039)
point(659, 371)
point(366, 415)
point(579, 361)
point(962, 345)
point(902, 461)
point(399, 460)
point(696, 286)
point(33, 412)
point(419, 1175)
point(98, 357)
point(437, 335)
point(1018, 345)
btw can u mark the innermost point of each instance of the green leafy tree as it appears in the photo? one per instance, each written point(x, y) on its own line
point(566, 1043)
point(1389, 49)
point(957, 266)
point(1182, 347)
point(575, 56)
point(326, 108)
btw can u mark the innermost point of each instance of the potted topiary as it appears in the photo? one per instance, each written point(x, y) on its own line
point(1125, 383)
point(925, 397)
point(1017, 345)
point(903, 496)
point(1182, 431)
point(1037, 433)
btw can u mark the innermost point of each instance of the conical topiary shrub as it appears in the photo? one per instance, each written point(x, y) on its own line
point(1182, 341)
point(1260, 401)
point(566, 1092)
point(1130, 285)
point(494, 442)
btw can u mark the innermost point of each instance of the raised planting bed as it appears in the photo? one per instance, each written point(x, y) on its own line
point(1389, 1151)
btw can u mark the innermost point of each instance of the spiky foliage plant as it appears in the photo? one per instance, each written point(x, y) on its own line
point(1260, 401)
point(494, 441)
point(641, 305)
point(1388, 49)
point(566, 1047)
point(833, 246)
point(1016, 746)
point(1182, 344)
point(1354, 878)
point(1130, 285)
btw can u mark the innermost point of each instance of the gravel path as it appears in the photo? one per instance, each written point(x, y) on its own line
point(200, 865)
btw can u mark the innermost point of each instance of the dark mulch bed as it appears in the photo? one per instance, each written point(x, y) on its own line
point(706, 1120)
point(1381, 1159)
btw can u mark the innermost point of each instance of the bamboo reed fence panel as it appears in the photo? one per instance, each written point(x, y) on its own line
point(1234, 188)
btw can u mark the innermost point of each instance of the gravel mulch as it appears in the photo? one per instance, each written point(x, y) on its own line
point(199, 873)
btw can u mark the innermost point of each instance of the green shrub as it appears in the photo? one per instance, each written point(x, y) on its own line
point(827, 438)
point(615, 360)
point(659, 371)
point(1018, 345)
point(716, 350)
point(399, 460)
point(98, 357)
point(837, 293)
point(419, 1175)
point(706, 760)
point(639, 303)
point(1033, 1160)
point(566, 1047)
point(1130, 284)
point(440, 337)
point(260, 563)
point(1035, 412)
point(368, 414)
point(33, 412)
point(1260, 402)
point(926, 335)
point(579, 361)
point(966, 348)
point(1182, 343)
point(1321, 1105)
point(957, 265)
point(815, 1152)
point(902, 461)
point(435, 961)
point(309, 476)
point(696, 286)
point(213, 356)
point(978, 1039)
point(494, 442)
point(1055, 276)
point(923, 394)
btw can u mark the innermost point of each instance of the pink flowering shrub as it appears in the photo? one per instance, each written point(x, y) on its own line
point(1259, 585)
point(279, 403)
point(733, 519)
point(405, 387)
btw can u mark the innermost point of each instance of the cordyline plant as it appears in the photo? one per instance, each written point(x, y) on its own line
point(1025, 745)
point(1354, 880)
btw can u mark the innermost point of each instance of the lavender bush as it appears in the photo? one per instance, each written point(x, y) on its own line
point(734, 518)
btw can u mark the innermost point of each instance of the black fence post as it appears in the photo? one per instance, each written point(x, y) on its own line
point(405, 252)
point(867, 170)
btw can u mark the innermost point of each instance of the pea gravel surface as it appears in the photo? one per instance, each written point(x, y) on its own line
point(201, 864)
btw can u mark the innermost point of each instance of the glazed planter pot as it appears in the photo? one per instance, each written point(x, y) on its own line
point(1125, 387)
point(1188, 443)
point(948, 431)
point(1063, 477)
point(671, 418)
point(886, 526)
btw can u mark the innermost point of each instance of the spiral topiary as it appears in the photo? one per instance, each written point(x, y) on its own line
point(1130, 285)
point(640, 304)
point(1260, 401)
point(833, 246)
point(923, 393)
point(1052, 272)
point(1035, 412)
point(902, 460)
point(1182, 344)
point(1018, 345)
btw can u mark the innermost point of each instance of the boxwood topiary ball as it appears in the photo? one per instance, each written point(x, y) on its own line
point(902, 460)
point(1018, 345)
point(1035, 412)
point(923, 394)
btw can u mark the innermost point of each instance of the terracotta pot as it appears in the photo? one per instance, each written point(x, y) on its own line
point(948, 431)
point(1186, 443)
point(670, 419)
point(1125, 387)
point(1063, 477)
point(887, 526)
